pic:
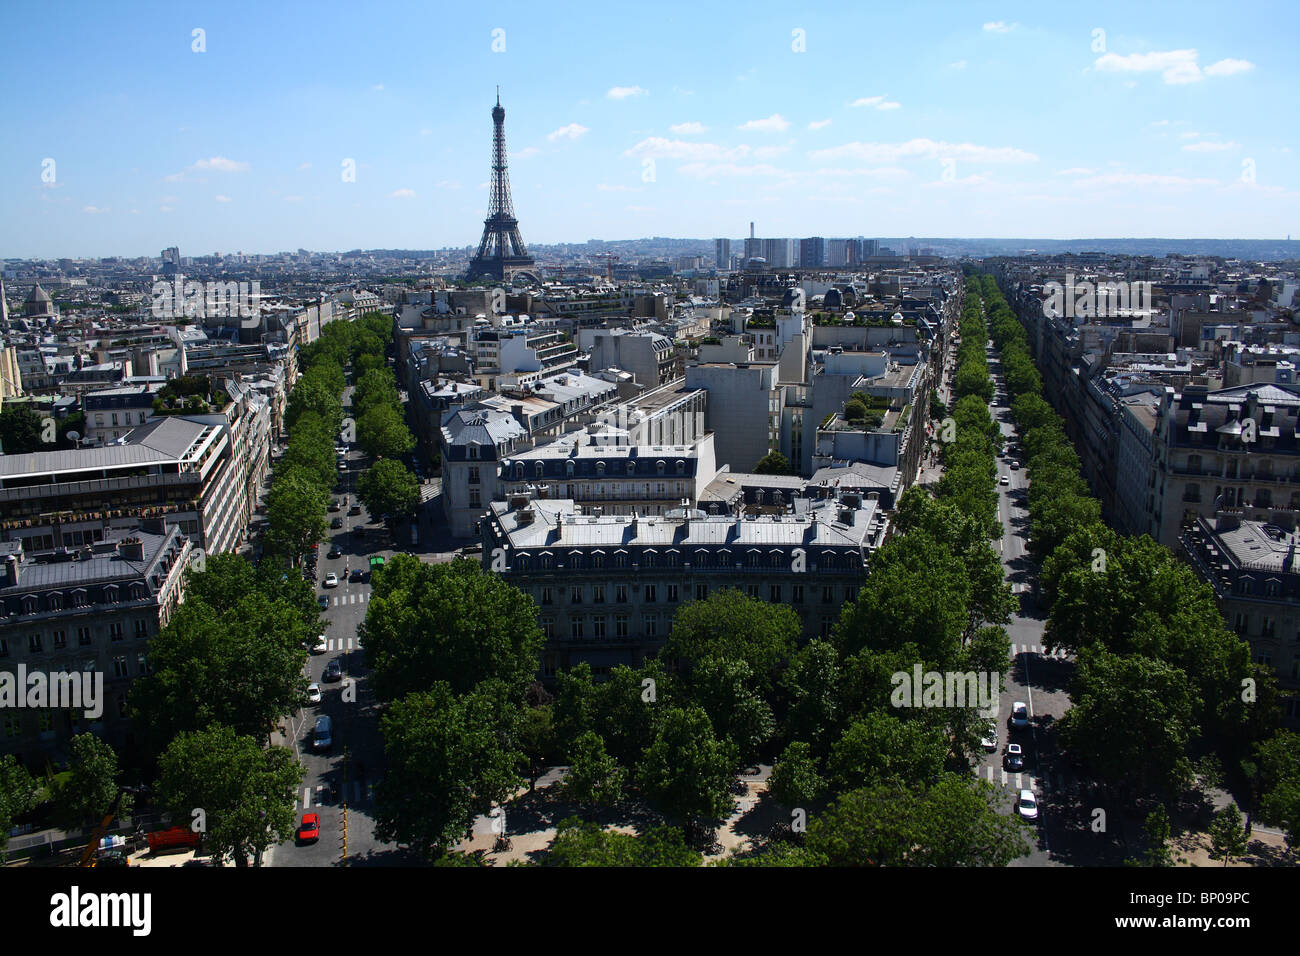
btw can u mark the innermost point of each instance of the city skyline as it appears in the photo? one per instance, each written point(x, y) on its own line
point(1134, 125)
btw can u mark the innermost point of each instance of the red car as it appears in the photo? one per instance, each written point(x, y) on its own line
point(309, 831)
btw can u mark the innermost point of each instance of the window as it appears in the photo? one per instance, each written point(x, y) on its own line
point(701, 592)
point(548, 596)
point(850, 594)
point(796, 594)
point(598, 594)
point(598, 628)
point(1267, 628)
point(774, 593)
point(672, 594)
point(141, 628)
point(826, 626)
point(651, 594)
point(620, 594)
point(34, 643)
point(575, 629)
point(474, 500)
point(142, 663)
point(473, 475)
point(83, 636)
point(575, 595)
point(60, 640)
point(827, 598)
point(119, 667)
point(473, 451)
point(649, 625)
point(4, 648)
point(548, 628)
point(1264, 656)
point(115, 631)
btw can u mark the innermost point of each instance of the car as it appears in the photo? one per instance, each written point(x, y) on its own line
point(990, 738)
point(354, 510)
point(323, 601)
point(1027, 805)
point(321, 646)
point(341, 452)
point(1015, 466)
point(1019, 718)
point(1006, 480)
point(357, 575)
point(335, 552)
point(309, 829)
point(333, 672)
point(331, 580)
point(1015, 757)
point(334, 506)
point(323, 734)
point(336, 523)
point(313, 693)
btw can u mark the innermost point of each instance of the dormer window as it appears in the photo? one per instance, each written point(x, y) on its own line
point(110, 594)
point(568, 469)
point(519, 470)
point(473, 451)
point(541, 469)
point(681, 467)
point(631, 467)
point(659, 467)
point(600, 469)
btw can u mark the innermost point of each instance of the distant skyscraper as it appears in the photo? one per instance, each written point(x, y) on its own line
point(841, 252)
point(868, 247)
point(722, 253)
point(501, 252)
point(779, 253)
point(812, 253)
point(171, 260)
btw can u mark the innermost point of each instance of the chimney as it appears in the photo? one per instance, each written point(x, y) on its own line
point(131, 549)
point(751, 229)
point(11, 570)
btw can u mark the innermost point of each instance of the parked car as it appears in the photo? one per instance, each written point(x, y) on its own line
point(323, 601)
point(990, 739)
point(334, 505)
point(333, 672)
point(1027, 805)
point(1015, 758)
point(1005, 480)
point(313, 693)
point(354, 510)
point(331, 580)
point(309, 829)
point(322, 645)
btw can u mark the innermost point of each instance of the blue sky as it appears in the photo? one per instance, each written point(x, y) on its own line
point(632, 119)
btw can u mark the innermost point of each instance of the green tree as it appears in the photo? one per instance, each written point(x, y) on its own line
point(389, 488)
point(245, 792)
point(879, 748)
point(91, 785)
point(1158, 832)
point(450, 758)
point(773, 463)
point(731, 625)
point(687, 771)
point(1228, 838)
point(381, 433)
point(295, 511)
point(795, 781)
point(725, 689)
point(448, 622)
point(1278, 760)
point(588, 844)
point(20, 430)
point(594, 778)
point(18, 793)
point(536, 740)
point(811, 694)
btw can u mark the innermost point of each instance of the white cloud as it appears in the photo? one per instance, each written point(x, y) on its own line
point(377, 87)
point(1160, 123)
point(1177, 67)
point(819, 124)
point(767, 152)
point(776, 123)
point(607, 188)
point(222, 165)
point(734, 170)
point(959, 65)
point(402, 194)
point(302, 166)
point(1205, 146)
point(876, 102)
point(924, 149)
point(658, 147)
point(1188, 135)
point(94, 210)
point(1228, 67)
point(572, 131)
point(1143, 179)
point(1076, 171)
point(221, 198)
point(623, 92)
point(999, 26)
point(687, 129)
point(293, 198)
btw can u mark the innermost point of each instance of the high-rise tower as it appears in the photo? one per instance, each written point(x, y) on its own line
point(501, 251)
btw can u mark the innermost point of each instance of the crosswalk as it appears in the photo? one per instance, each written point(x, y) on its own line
point(1000, 777)
point(1059, 653)
point(342, 644)
point(353, 598)
point(356, 793)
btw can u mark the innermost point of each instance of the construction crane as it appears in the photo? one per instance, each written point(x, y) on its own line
point(610, 258)
point(88, 855)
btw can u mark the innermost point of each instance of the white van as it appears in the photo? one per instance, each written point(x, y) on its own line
point(323, 736)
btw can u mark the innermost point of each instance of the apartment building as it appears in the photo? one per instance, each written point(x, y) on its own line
point(608, 586)
point(89, 609)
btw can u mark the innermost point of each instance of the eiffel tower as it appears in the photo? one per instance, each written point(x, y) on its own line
point(501, 251)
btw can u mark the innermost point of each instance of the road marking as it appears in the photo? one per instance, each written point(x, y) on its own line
point(1018, 786)
point(1004, 777)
